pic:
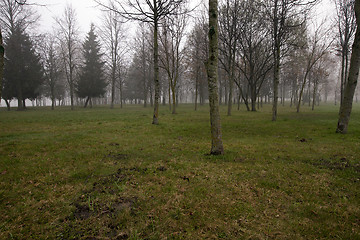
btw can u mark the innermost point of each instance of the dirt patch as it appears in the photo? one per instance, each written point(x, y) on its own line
point(339, 164)
point(81, 212)
point(97, 210)
point(116, 156)
point(114, 144)
point(121, 204)
point(161, 169)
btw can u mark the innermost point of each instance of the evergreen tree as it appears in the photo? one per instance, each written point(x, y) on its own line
point(23, 73)
point(91, 81)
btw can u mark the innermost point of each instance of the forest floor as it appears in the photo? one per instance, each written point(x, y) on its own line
point(110, 174)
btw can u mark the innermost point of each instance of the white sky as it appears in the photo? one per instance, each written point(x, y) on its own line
point(87, 12)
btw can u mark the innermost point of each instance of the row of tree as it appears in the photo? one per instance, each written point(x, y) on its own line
point(268, 50)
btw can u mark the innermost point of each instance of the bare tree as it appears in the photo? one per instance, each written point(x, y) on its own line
point(152, 12)
point(229, 23)
point(53, 67)
point(318, 45)
point(144, 57)
point(68, 35)
point(112, 34)
point(172, 53)
point(283, 17)
point(197, 48)
point(212, 70)
point(346, 105)
point(346, 25)
point(254, 49)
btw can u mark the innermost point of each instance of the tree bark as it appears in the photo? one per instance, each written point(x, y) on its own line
point(276, 53)
point(2, 52)
point(86, 102)
point(156, 71)
point(346, 105)
point(7, 104)
point(173, 99)
point(212, 69)
point(276, 81)
point(196, 91)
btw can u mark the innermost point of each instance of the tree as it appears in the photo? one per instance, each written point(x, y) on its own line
point(53, 69)
point(212, 70)
point(346, 24)
point(197, 56)
point(91, 79)
point(23, 73)
point(2, 53)
point(317, 46)
point(172, 53)
point(284, 16)
point(112, 35)
point(143, 60)
point(346, 105)
point(68, 34)
point(229, 23)
point(152, 12)
point(13, 14)
point(254, 49)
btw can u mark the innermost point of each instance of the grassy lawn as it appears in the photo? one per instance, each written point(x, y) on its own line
point(109, 174)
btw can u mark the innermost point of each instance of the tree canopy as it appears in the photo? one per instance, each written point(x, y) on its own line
point(91, 80)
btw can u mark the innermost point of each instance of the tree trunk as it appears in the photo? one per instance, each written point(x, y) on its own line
point(21, 106)
point(173, 99)
point(212, 69)
point(196, 90)
point(151, 97)
point(314, 94)
point(342, 76)
point(2, 52)
point(156, 70)
point(302, 91)
point(86, 102)
point(231, 90)
point(346, 105)
point(276, 80)
point(121, 95)
point(7, 104)
point(169, 92)
point(253, 98)
point(72, 95)
point(53, 103)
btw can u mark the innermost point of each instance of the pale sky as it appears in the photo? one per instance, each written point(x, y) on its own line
point(87, 12)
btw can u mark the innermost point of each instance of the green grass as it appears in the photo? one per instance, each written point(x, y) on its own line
point(110, 174)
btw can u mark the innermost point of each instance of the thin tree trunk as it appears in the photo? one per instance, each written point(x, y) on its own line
point(346, 106)
point(196, 91)
point(156, 71)
point(2, 52)
point(86, 102)
point(314, 94)
point(7, 104)
point(173, 99)
point(276, 81)
point(342, 76)
point(169, 92)
point(212, 69)
point(301, 92)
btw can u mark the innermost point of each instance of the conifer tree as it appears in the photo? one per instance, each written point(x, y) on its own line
point(91, 82)
point(23, 73)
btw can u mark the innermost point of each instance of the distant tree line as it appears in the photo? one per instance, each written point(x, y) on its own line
point(269, 51)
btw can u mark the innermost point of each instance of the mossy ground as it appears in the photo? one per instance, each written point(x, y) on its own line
point(109, 174)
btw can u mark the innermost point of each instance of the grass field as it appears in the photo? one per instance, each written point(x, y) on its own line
point(109, 174)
